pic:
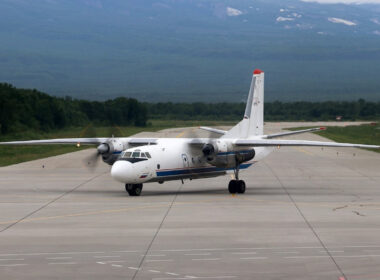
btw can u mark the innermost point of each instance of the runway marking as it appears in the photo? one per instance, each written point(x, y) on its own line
point(62, 263)
point(290, 252)
point(101, 262)
point(244, 253)
point(196, 277)
point(12, 259)
point(342, 256)
point(214, 259)
point(171, 273)
point(336, 251)
point(116, 265)
point(59, 258)
point(108, 211)
point(133, 268)
point(198, 254)
point(116, 261)
point(181, 134)
point(99, 257)
point(154, 271)
point(154, 255)
point(15, 264)
point(304, 151)
point(158, 260)
point(255, 258)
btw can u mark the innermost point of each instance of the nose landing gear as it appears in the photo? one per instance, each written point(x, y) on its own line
point(134, 189)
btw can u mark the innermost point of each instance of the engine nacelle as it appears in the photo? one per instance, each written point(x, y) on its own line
point(221, 154)
point(111, 150)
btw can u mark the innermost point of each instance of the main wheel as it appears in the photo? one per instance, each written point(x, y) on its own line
point(232, 186)
point(134, 189)
point(240, 186)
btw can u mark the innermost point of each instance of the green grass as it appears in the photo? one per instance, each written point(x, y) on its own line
point(16, 154)
point(359, 134)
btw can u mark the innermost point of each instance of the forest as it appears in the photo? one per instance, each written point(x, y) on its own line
point(30, 109)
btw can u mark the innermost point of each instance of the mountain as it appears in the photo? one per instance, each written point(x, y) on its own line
point(191, 50)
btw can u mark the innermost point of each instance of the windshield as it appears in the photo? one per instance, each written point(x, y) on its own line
point(136, 154)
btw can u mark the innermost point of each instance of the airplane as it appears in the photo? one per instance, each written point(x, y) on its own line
point(136, 161)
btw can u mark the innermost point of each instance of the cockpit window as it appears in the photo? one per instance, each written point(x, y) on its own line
point(136, 154)
point(127, 155)
point(143, 155)
point(148, 155)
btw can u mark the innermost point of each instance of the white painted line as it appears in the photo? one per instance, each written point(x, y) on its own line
point(305, 257)
point(101, 262)
point(254, 258)
point(153, 255)
point(195, 277)
point(215, 259)
point(125, 251)
point(154, 271)
point(286, 252)
point(245, 253)
point(171, 273)
point(15, 264)
point(12, 259)
point(158, 260)
point(59, 258)
point(354, 256)
point(198, 254)
point(116, 261)
point(62, 263)
point(134, 268)
point(117, 265)
point(41, 254)
point(99, 257)
point(331, 251)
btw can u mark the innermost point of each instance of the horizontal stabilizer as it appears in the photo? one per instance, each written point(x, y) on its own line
point(218, 131)
point(293, 132)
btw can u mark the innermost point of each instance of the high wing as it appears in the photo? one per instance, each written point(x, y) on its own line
point(282, 134)
point(84, 141)
point(87, 141)
point(269, 143)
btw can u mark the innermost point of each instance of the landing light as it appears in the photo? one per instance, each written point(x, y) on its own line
point(78, 145)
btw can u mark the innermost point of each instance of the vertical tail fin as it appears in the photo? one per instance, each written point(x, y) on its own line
point(253, 122)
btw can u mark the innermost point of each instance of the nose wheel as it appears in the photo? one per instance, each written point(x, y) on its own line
point(134, 189)
point(236, 186)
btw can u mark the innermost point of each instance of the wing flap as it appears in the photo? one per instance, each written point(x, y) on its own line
point(271, 143)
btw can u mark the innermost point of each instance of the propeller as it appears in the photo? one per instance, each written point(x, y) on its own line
point(92, 160)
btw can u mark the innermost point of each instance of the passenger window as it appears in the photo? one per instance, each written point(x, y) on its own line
point(148, 155)
point(136, 154)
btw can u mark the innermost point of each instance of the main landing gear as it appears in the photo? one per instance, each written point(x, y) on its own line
point(134, 189)
point(236, 186)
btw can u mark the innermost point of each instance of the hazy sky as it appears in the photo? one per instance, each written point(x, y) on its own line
point(358, 2)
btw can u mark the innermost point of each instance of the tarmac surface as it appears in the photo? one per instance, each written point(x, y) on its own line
point(308, 213)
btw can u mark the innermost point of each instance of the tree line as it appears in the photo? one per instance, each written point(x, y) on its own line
point(24, 109)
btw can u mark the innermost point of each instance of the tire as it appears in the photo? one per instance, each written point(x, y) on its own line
point(138, 189)
point(240, 186)
point(134, 189)
point(232, 186)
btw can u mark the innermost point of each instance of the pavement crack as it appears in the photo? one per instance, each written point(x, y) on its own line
point(51, 202)
point(358, 213)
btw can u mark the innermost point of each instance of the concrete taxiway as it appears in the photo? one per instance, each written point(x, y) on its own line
point(308, 213)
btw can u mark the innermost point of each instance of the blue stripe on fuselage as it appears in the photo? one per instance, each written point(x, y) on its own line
point(234, 152)
point(196, 170)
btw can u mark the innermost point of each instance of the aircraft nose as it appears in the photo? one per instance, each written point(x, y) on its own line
point(122, 171)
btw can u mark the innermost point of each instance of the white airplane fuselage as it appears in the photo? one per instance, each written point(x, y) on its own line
point(175, 159)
